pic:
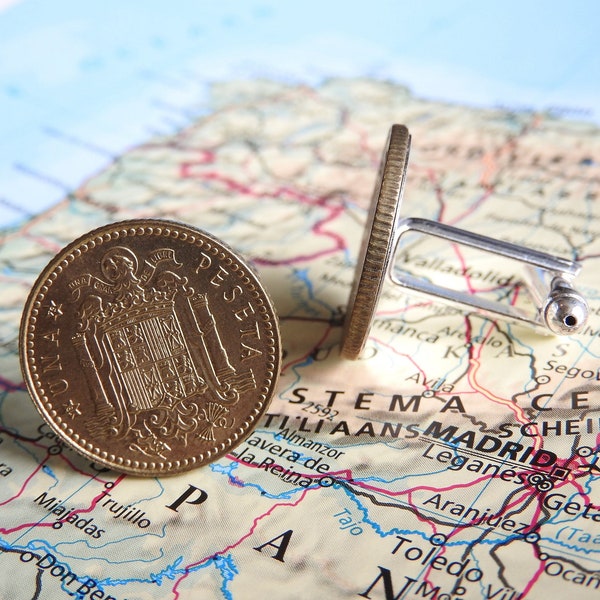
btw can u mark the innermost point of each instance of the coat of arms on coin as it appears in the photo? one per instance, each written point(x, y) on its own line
point(150, 347)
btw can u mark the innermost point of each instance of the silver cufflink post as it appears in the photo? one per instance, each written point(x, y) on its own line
point(560, 309)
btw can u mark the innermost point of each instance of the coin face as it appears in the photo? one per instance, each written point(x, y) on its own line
point(378, 242)
point(150, 347)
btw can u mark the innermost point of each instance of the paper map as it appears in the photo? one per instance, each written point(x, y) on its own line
point(458, 459)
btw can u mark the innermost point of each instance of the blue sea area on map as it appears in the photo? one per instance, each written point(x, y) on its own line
point(82, 82)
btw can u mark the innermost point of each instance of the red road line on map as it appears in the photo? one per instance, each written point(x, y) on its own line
point(96, 499)
point(532, 580)
point(61, 456)
point(584, 257)
point(364, 139)
point(516, 410)
point(35, 472)
point(25, 526)
point(475, 364)
point(64, 458)
point(429, 488)
point(439, 194)
point(514, 504)
point(403, 355)
point(44, 243)
point(464, 268)
point(10, 386)
point(572, 479)
point(206, 157)
point(13, 279)
point(472, 523)
point(437, 188)
point(25, 483)
point(24, 229)
point(318, 228)
point(404, 309)
point(79, 511)
point(231, 184)
point(305, 356)
point(475, 206)
point(346, 475)
point(236, 543)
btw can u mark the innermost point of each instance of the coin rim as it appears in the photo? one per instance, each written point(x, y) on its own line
point(377, 244)
point(122, 230)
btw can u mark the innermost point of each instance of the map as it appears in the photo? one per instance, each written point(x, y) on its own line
point(458, 458)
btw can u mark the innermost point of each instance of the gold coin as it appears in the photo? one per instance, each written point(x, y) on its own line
point(378, 242)
point(150, 347)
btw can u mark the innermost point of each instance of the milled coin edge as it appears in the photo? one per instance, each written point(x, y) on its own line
point(376, 248)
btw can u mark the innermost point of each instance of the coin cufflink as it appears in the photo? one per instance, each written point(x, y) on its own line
point(560, 309)
point(150, 347)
